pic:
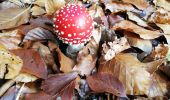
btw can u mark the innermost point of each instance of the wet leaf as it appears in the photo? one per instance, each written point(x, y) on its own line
point(10, 64)
point(142, 32)
point(55, 84)
point(32, 62)
point(10, 18)
point(103, 82)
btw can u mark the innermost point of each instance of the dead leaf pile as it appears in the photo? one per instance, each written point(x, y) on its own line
point(127, 56)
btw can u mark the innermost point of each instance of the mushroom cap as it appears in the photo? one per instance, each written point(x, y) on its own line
point(73, 24)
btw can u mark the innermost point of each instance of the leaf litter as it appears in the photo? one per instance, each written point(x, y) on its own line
point(127, 56)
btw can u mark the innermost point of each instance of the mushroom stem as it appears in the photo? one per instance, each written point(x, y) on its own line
point(72, 50)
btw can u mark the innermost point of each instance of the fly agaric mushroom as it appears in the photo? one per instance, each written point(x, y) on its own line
point(73, 25)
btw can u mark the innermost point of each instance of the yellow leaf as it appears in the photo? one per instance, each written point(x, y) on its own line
point(10, 62)
point(37, 11)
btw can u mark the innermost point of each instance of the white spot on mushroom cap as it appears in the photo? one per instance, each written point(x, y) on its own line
point(65, 26)
point(69, 35)
point(62, 32)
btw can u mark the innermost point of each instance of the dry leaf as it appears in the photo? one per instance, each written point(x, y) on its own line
point(55, 84)
point(144, 45)
point(66, 64)
point(40, 3)
point(86, 58)
point(161, 16)
point(10, 94)
point(138, 20)
point(131, 27)
point(58, 4)
point(110, 49)
point(41, 21)
point(32, 62)
point(17, 2)
point(11, 39)
point(10, 18)
point(163, 3)
point(141, 4)
point(10, 65)
point(38, 96)
point(47, 55)
point(135, 75)
point(38, 34)
point(49, 7)
point(119, 6)
point(7, 5)
point(103, 82)
point(25, 77)
point(37, 11)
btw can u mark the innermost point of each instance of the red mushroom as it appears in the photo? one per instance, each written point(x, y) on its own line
point(73, 25)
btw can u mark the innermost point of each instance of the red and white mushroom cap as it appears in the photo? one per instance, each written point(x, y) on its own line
point(73, 24)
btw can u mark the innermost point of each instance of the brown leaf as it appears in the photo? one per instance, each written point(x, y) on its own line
point(33, 62)
point(38, 96)
point(10, 18)
point(131, 27)
point(134, 74)
point(121, 6)
point(86, 59)
point(38, 34)
point(66, 64)
point(141, 4)
point(11, 39)
point(110, 49)
point(160, 16)
point(55, 84)
point(103, 82)
point(144, 45)
point(42, 21)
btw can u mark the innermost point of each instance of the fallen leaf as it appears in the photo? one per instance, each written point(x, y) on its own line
point(7, 5)
point(103, 82)
point(10, 94)
point(55, 84)
point(160, 16)
point(49, 7)
point(40, 3)
point(141, 4)
point(162, 3)
point(25, 77)
point(37, 11)
point(110, 49)
point(32, 62)
point(17, 2)
point(38, 34)
point(144, 45)
point(166, 30)
point(121, 6)
point(137, 19)
point(47, 55)
point(10, 64)
point(41, 21)
point(10, 18)
point(38, 96)
point(58, 4)
point(142, 32)
point(6, 86)
point(136, 76)
point(66, 63)
point(86, 58)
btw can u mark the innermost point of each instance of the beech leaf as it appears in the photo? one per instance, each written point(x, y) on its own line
point(10, 18)
point(10, 62)
point(38, 34)
point(103, 82)
point(32, 62)
point(131, 27)
point(55, 84)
